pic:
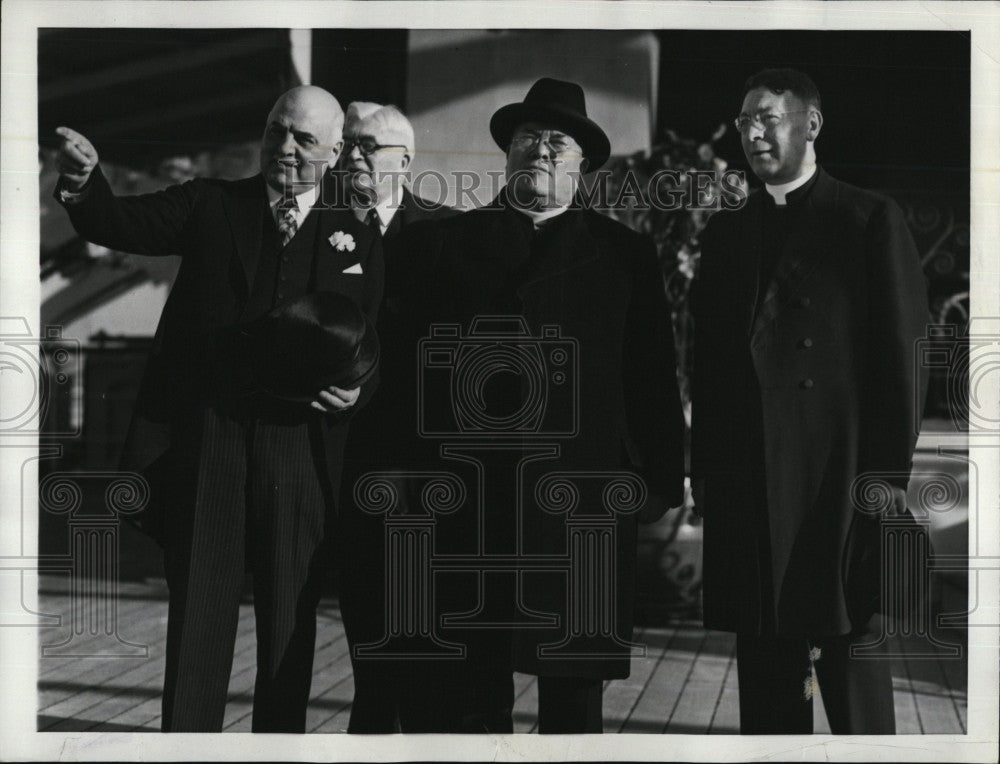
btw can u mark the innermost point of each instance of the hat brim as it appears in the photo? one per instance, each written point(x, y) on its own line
point(361, 369)
point(590, 136)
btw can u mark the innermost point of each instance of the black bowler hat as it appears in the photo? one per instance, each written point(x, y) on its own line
point(560, 104)
point(309, 344)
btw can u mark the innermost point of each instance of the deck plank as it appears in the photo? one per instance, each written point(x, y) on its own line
point(687, 683)
point(621, 695)
point(726, 719)
point(526, 707)
point(700, 693)
point(144, 712)
point(654, 708)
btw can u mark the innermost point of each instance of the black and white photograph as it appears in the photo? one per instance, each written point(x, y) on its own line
point(455, 380)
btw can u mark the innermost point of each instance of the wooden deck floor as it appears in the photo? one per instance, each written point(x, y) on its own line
point(685, 684)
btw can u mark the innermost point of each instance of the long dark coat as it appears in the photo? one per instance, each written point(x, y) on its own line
point(792, 405)
point(599, 284)
point(216, 227)
point(382, 437)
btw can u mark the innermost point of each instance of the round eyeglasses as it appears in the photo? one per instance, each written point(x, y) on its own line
point(766, 120)
point(556, 142)
point(368, 146)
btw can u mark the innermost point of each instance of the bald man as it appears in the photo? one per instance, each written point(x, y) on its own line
point(239, 482)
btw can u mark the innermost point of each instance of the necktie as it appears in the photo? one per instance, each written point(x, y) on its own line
point(288, 222)
point(373, 221)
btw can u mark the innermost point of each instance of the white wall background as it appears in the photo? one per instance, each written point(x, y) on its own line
point(458, 78)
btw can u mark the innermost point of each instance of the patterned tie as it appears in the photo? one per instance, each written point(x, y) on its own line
point(373, 221)
point(288, 222)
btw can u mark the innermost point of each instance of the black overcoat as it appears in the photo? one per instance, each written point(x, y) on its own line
point(216, 227)
point(598, 285)
point(794, 402)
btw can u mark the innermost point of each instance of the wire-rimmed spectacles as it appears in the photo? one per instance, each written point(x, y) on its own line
point(767, 120)
point(557, 142)
point(368, 146)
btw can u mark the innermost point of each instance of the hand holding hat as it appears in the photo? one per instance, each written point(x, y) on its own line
point(318, 349)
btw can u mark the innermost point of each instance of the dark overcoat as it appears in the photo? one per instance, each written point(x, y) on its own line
point(383, 437)
point(216, 227)
point(596, 284)
point(796, 401)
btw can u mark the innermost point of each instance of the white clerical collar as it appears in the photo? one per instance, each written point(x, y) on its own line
point(780, 191)
point(385, 210)
point(305, 200)
point(540, 216)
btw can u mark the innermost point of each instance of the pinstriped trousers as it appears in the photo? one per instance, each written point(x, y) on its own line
point(258, 505)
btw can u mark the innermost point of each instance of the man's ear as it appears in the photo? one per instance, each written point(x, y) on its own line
point(815, 124)
point(405, 163)
point(584, 165)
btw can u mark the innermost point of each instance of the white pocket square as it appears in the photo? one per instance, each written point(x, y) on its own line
point(356, 268)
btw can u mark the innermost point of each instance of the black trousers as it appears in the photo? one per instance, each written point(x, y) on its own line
point(378, 683)
point(570, 705)
point(257, 489)
point(480, 700)
point(773, 672)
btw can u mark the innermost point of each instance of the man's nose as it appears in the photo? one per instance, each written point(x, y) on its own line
point(355, 152)
point(755, 132)
point(541, 148)
point(287, 145)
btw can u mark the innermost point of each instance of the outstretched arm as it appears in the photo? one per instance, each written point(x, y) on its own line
point(149, 224)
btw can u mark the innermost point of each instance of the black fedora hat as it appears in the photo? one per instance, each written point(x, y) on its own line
point(309, 344)
point(560, 104)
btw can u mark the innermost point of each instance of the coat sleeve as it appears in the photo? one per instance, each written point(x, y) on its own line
point(148, 224)
point(894, 387)
point(700, 346)
point(652, 397)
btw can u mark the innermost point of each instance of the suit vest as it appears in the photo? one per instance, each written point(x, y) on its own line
point(283, 273)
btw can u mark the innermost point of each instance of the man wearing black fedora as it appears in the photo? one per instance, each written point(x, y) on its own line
point(536, 253)
point(260, 356)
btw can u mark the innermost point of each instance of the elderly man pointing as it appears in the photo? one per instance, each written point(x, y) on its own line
point(240, 480)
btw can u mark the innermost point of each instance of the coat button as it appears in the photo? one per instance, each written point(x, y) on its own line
point(807, 343)
point(804, 302)
point(806, 384)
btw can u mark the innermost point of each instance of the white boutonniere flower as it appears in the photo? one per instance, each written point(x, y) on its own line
point(342, 242)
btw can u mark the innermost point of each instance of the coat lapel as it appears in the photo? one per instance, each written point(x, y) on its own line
point(569, 246)
point(748, 264)
point(331, 262)
point(805, 247)
point(245, 210)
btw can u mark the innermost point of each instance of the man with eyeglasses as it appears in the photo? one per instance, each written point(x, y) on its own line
point(807, 308)
point(374, 166)
point(536, 253)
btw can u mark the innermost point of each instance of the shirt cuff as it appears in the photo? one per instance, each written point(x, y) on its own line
point(74, 197)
